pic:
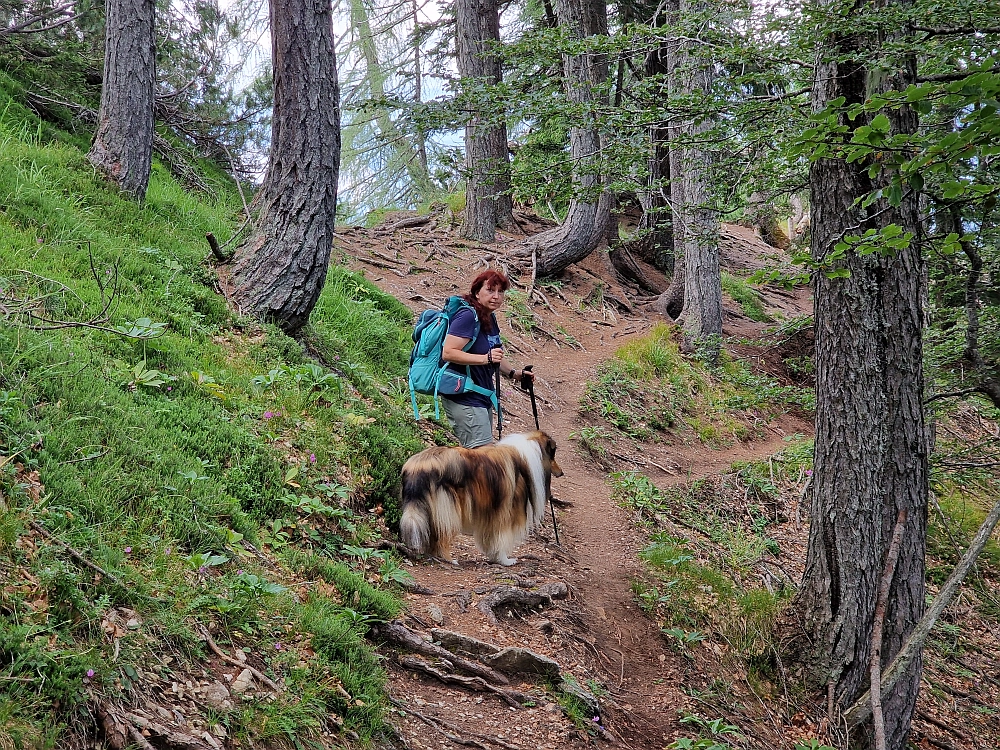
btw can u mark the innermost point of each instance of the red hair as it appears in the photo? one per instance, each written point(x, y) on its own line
point(491, 280)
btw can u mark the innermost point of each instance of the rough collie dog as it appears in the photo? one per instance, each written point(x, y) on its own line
point(496, 493)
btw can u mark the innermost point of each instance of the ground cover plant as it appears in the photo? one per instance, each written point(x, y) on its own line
point(170, 473)
point(649, 391)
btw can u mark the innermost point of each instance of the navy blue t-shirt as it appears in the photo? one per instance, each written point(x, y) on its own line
point(463, 325)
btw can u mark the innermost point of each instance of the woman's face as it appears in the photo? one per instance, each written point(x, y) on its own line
point(490, 297)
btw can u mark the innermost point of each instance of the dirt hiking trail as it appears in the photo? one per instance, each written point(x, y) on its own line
point(593, 627)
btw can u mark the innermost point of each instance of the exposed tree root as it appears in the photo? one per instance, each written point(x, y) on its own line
point(512, 697)
point(399, 635)
point(115, 731)
point(514, 598)
point(169, 735)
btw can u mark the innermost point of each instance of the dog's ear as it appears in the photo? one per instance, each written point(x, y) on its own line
point(550, 447)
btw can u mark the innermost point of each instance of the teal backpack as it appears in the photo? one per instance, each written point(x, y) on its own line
point(429, 374)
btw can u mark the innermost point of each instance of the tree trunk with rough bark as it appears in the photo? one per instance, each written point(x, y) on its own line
point(870, 449)
point(123, 143)
point(671, 302)
point(656, 218)
point(702, 313)
point(488, 202)
point(589, 213)
point(281, 268)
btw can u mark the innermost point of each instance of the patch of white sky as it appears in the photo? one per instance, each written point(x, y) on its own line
point(392, 26)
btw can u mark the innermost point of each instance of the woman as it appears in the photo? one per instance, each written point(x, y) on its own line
point(471, 414)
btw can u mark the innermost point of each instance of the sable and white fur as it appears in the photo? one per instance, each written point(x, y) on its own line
point(495, 493)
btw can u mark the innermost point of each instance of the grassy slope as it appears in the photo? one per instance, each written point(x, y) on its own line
point(165, 461)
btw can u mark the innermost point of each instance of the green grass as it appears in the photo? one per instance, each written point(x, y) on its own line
point(749, 300)
point(162, 458)
point(649, 389)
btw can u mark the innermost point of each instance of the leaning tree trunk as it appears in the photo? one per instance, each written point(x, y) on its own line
point(488, 203)
point(281, 268)
point(123, 143)
point(870, 449)
point(589, 214)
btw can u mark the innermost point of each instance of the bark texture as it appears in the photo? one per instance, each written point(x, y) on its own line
point(123, 142)
point(656, 218)
point(488, 203)
point(281, 268)
point(870, 450)
point(701, 316)
point(589, 214)
point(671, 302)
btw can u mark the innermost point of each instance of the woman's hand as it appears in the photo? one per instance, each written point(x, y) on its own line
point(495, 356)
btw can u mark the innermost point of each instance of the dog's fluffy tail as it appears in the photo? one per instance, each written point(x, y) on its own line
point(415, 528)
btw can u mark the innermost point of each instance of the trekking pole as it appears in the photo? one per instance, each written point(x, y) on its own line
point(529, 383)
point(499, 410)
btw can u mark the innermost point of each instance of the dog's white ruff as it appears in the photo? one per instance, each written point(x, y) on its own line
point(531, 450)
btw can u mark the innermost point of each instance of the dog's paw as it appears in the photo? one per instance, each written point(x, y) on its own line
point(506, 561)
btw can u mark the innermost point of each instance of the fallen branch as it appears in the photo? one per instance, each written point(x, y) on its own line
point(899, 666)
point(381, 264)
point(514, 698)
point(875, 667)
point(237, 663)
point(941, 725)
point(412, 221)
point(398, 634)
point(76, 555)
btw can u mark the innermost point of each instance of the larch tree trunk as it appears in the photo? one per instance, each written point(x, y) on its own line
point(488, 202)
point(589, 213)
point(123, 142)
point(701, 316)
point(870, 449)
point(656, 208)
point(281, 268)
point(671, 302)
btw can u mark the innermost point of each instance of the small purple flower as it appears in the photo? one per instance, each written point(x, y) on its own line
point(91, 673)
point(170, 387)
point(166, 551)
point(596, 720)
point(268, 414)
point(202, 570)
point(809, 472)
point(239, 572)
point(312, 458)
point(128, 550)
point(277, 646)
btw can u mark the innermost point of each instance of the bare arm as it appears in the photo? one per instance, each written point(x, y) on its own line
point(452, 352)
